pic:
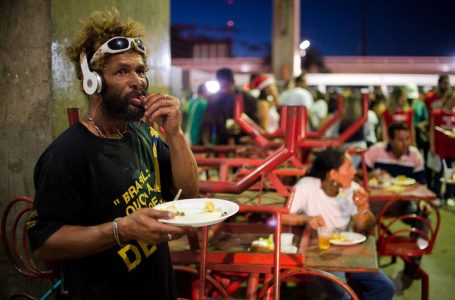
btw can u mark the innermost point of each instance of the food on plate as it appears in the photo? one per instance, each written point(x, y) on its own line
point(209, 206)
point(175, 210)
point(263, 244)
point(401, 178)
point(209, 209)
point(373, 182)
point(339, 237)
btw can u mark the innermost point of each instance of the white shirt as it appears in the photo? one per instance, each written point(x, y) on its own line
point(296, 97)
point(319, 111)
point(370, 126)
point(273, 120)
point(311, 200)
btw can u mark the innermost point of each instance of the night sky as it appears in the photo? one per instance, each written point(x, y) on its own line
point(334, 27)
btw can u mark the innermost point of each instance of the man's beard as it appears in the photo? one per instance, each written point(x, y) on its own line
point(118, 107)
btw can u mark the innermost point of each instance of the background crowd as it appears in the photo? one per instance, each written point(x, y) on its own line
point(428, 115)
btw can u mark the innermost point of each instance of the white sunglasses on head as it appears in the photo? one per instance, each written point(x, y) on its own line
point(118, 44)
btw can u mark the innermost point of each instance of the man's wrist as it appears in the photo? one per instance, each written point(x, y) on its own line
point(116, 231)
point(363, 210)
point(176, 133)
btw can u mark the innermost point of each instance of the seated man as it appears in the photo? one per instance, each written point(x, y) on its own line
point(328, 197)
point(397, 156)
point(394, 158)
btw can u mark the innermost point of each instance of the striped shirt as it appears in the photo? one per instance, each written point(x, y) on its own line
point(410, 164)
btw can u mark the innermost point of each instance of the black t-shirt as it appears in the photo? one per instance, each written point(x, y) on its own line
point(84, 180)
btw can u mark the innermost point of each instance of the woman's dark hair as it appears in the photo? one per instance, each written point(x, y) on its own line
point(326, 160)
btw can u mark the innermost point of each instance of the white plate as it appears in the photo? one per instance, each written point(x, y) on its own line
point(407, 181)
point(195, 215)
point(352, 239)
point(378, 185)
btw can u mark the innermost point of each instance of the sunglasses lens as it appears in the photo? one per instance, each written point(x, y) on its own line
point(139, 44)
point(118, 44)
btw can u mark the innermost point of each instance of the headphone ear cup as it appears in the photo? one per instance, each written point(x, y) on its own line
point(92, 82)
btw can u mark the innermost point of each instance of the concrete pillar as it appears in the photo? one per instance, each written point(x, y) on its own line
point(38, 84)
point(286, 39)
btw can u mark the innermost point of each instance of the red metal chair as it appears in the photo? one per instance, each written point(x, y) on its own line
point(15, 244)
point(301, 275)
point(213, 287)
point(397, 239)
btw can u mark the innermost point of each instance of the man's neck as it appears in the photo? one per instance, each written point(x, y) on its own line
point(397, 155)
point(105, 125)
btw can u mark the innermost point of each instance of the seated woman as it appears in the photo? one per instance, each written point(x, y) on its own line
point(328, 197)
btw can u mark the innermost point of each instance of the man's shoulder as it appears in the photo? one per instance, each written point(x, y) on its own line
point(72, 136)
point(372, 117)
point(67, 147)
point(378, 148)
point(296, 96)
point(414, 153)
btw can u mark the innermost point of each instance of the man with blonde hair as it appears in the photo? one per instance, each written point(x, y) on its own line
point(97, 183)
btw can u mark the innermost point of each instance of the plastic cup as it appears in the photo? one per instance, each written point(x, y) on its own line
point(324, 236)
point(286, 238)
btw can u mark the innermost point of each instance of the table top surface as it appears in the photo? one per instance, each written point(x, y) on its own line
point(397, 192)
point(235, 245)
point(353, 258)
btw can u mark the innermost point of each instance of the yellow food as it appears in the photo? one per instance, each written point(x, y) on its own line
point(402, 178)
point(339, 237)
point(373, 182)
point(209, 206)
point(263, 244)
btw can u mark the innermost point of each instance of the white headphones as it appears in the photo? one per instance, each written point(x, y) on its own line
point(91, 80)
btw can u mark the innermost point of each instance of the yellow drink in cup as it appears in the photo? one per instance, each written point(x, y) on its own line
point(324, 236)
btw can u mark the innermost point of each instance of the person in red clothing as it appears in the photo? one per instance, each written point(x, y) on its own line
point(434, 97)
point(443, 117)
point(398, 111)
point(441, 143)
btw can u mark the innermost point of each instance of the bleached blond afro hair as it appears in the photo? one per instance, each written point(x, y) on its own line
point(96, 30)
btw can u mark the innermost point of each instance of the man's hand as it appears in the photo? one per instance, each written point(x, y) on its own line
point(143, 225)
point(316, 222)
point(164, 110)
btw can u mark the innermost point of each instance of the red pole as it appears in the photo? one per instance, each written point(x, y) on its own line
point(73, 115)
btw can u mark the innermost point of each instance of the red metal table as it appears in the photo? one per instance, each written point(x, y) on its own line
point(409, 192)
point(229, 251)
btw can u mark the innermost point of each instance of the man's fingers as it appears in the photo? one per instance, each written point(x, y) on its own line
point(159, 214)
point(173, 230)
